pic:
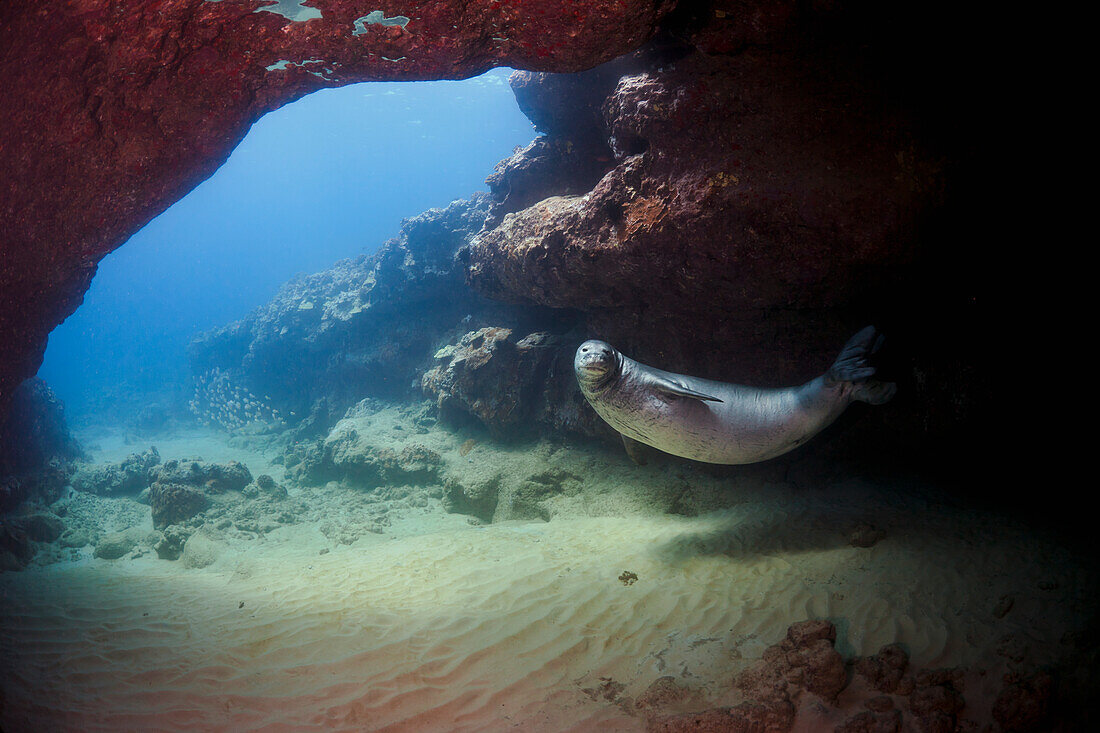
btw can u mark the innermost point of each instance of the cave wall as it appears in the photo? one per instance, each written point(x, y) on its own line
point(115, 110)
point(737, 208)
point(732, 200)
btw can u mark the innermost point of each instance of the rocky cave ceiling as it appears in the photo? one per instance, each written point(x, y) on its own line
point(112, 111)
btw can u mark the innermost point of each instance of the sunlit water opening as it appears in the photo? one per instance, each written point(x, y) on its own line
point(327, 177)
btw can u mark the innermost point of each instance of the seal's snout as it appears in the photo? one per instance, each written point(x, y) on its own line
point(594, 359)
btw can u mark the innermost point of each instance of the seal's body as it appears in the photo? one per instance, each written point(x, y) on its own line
point(717, 422)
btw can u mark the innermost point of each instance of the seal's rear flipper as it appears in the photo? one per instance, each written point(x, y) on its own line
point(853, 365)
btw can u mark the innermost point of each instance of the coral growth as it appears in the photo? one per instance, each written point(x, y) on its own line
point(514, 388)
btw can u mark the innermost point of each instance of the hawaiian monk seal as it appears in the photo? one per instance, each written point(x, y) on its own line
point(717, 422)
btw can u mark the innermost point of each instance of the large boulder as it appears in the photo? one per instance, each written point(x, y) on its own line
point(355, 452)
point(741, 185)
point(174, 503)
point(115, 545)
point(490, 375)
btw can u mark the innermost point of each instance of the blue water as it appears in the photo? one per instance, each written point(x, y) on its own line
point(327, 177)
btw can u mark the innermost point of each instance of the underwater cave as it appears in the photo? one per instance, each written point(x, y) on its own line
point(528, 384)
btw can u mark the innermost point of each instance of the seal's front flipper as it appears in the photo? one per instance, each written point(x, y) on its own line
point(678, 390)
point(636, 450)
point(854, 366)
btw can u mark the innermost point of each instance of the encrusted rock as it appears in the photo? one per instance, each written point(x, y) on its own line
point(775, 717)
point(231, 476)
point(114, 545)
point(213, 477)
point(661, 693)
point(381, 313)
point(870, 721)
point(170, 544)
point(732, 190)
point(499, 380)
point(36, 447)
point(936, 702)
point(267, 486)
point(805, 659)
point(549, 165)
point(348, 453)
point(477, 496)
point(75, 537)
point(199, 551)
point(1023, 705)
point(307, 463)
point(127, 477)
point(822, 668)
point(41, 527)
point(885, 670)
point(804, 633)
point(173, 503)
point(527, 499)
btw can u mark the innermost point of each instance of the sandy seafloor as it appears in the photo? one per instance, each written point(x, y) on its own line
point(432, 623)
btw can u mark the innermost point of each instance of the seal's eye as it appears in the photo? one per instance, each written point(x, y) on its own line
point(584, 350)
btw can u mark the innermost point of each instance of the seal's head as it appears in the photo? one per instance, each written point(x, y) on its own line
point(596, 363)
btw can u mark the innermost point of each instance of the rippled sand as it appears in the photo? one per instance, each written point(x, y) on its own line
point(523, 625)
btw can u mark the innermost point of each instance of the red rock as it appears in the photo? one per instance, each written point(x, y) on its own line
point(663, 692)
point(804, 660)
point(888, 721)
point(824, 673)
point(743, 718)
point(880, 704)
point(754, 199)
point(805, 633)
point(739, 185)
point(116, 110)
point(936, 706)
point(885, 670)
point(1024, 705)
